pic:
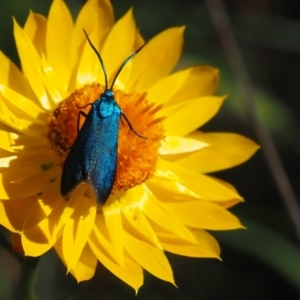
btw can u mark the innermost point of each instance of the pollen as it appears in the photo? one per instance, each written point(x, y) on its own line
point(137, 157)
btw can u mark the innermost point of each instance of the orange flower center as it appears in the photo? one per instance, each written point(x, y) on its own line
point(137, 157)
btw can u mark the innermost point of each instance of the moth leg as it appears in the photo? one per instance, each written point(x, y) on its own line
point(78, 121)
point(131, 127)
point(91, 104)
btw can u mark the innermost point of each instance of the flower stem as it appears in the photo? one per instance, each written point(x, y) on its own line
point(26, 285)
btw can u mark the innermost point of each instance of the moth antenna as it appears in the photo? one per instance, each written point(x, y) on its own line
point(99, 57)
point(124, 63)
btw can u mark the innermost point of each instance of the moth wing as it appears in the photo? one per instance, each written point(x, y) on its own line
point(93, 156)
point(103, 168)
point(79, 160)
point(73, 171)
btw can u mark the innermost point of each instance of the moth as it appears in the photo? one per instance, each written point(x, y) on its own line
point(93, 156)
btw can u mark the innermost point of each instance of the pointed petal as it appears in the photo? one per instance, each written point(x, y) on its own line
point(37, 240)
point(130, 272)
point(12, 77)
point(40, 158)
point(113, 221)
point(207, 245)
point(134, 220)
point(149, 257)
point(183, 85)
point(31, 65)
point(229, 203)
point(225, 150)
point(187, 184)
point(119, 44)
point(139, 41)
point(78, 229)
point(89, 67)
point(14, 212)
point(160, 220)
point(187, 117)
point(20, 174)
point(13, 142)
point(156, 60)
point(40, 238)
point(203, 214)
point(58, 42)
point(178, 145)
point(23, 105)
point(17, 120)
point(44, 205)
point(35, 28)
point(86, 265)
point(94, 13)
point(33, 186)
point(7, 141)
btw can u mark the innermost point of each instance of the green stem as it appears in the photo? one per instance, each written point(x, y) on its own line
point(26, 287)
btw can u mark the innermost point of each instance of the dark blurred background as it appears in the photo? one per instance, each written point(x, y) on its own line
point(262, 262)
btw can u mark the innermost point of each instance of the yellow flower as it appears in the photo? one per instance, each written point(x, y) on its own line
point(162, 199)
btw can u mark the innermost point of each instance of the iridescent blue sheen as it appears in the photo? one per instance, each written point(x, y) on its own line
point(93, 156)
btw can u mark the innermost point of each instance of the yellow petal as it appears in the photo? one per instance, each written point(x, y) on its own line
point(113, 221)
point(203, 214)
point(32, 186)
point(78, 229)
point(207, 246)
point(44, 205)
point(35, 28)
point(40, 158)
point(19, 174)
point(183, 85)
point(56, 91)
point(159, 218)
point(7, 141)
point(37, 240)
point(225, 150)
point(31, 65)
point(149, 257)
point(10, 191)
point(16, 119)
point(94, 13)
point(6, 160)
point(178, 145)
point(13, 142)
point(229, 203)
point(119, 45)
point(184, 183)
point(13, 213)
point(156, 60)
point(58, 43)
point(26, 108)
point(134, 220)
point(89, 68)
point(102, 236)
point(185, 118)
point(96, 17)
point(86, 265)
point(130, 272)
point(11, 76)
point(40, 238)
point(139, 41)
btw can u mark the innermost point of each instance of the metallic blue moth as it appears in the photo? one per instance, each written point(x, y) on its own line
point(93, 156)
